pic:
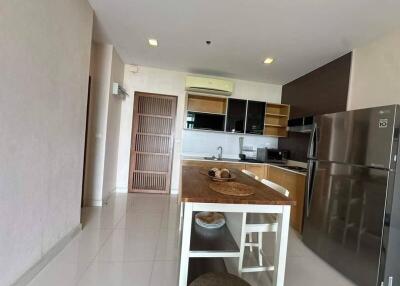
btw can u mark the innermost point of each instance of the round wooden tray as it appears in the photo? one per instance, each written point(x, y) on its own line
point(232, 189)
point(231, 178)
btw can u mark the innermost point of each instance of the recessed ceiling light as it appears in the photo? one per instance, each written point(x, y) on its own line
point(153, 42)
point(268, 61)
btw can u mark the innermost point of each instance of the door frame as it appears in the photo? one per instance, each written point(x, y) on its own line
point(87, 118)
point(132, 159)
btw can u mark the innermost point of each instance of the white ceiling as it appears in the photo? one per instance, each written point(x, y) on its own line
point(300, 35)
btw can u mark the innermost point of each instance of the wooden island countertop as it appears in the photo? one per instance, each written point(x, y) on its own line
point(195, 188)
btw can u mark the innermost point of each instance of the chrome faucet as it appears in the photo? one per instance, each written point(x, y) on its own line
point(220, 152)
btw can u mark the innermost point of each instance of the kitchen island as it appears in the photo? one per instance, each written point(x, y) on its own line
point(284, 174)
point(196, 196)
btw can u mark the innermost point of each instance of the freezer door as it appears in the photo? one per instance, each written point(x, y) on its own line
point(359, 137)
point(344, 218)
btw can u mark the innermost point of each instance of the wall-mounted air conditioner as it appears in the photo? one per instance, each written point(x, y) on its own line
point(209, 85)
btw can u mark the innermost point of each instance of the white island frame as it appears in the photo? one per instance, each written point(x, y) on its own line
point(283, 218)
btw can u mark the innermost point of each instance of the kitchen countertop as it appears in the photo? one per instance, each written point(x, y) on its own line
point(283, 166)
point(195, 188)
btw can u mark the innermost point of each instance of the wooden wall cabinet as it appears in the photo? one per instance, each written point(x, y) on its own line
point(236, 115)
point(206, 104)
point(296, 184)
point(206, 112)
point(255, 117)
point(218, 113)
point(276, 119)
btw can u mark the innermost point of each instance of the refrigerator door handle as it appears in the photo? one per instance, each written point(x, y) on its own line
point(311, 152)
point(309, 188)
point(316, 140)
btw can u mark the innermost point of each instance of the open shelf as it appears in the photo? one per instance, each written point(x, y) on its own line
point(275, 125)
point(275, 115)
point(212, 242)
point(194, 111)
point(278, 136)
point(207, 104)
point(277, 108)
point(200, 266)
point(275, 131)
point(276, 119)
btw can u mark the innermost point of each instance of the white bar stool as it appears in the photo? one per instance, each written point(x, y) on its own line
point(259, 223)
point(251, 174)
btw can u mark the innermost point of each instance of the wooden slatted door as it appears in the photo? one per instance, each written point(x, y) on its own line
point(152, 143)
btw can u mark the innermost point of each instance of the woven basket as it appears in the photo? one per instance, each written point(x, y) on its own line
point(232, 189)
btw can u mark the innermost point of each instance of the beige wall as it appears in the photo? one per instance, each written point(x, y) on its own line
point(375, 74)
point(44, 60)
point(103, 130)
point(113, 122)
point(100, 71)
point(169, 82)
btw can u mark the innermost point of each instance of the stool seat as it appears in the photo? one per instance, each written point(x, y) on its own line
point(256, 218)
point(218, 279)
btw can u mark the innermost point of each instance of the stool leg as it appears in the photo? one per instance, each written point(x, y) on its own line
point(260, 245)
point(242, 244)
point(251, 241)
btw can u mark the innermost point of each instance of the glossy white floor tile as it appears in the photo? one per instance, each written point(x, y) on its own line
point(134, 240)
point(140, 220)
point(126, 245)
point(168, 245)
point(117, 273)
point(165, 273)
point(58, 273)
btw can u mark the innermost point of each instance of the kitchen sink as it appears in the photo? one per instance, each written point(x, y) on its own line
point(213, 158)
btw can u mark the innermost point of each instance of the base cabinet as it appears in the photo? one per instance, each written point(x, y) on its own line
point(295, 184)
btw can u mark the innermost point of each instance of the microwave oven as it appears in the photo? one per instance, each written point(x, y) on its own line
point(272, 155)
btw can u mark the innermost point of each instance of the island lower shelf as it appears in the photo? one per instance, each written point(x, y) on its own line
point(212, 242)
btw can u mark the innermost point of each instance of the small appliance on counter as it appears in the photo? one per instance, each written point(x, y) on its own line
point(268, 155)
point(247, 153)
point(241, 155)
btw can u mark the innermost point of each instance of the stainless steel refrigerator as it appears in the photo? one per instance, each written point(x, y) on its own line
point(352, 204)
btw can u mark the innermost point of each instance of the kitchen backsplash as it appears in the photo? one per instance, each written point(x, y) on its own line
point(205, 143)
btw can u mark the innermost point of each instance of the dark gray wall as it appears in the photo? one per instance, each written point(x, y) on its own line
point(321, 91)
